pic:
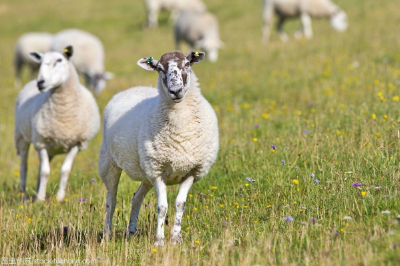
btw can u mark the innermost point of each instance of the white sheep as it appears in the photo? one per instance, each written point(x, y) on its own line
point(153, 8)
point(199, 29)
point(160, 137)
point(57, 115)
point(89, 56)
point(305, 9)
point(33, 41)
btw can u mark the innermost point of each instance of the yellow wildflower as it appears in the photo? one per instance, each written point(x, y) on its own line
point(295, 181)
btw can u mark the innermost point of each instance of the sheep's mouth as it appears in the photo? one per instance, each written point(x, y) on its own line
point(176, 99)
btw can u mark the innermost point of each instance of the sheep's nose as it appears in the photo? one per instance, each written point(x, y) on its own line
point(176, 92)
point(40, 84)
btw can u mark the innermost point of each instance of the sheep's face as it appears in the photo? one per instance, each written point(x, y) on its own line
point(54, 68)
point(174, 69)
point(211, 46)
point(339, 21)
point(99, 81)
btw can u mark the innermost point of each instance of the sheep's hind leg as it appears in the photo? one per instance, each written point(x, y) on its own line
point(137, 201)
point(65, 170)
point(110, 175)
point(162, 207)
point(23, 150)
point(179, 209)
point(282, 35)
point(44, 174)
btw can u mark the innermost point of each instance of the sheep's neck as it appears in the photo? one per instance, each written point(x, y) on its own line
point(64, 98)
point(178, 115)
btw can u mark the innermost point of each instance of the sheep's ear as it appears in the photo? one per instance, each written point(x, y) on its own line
point(148, 63)
point(68, 51)
point(195, 57)
point(36, 57)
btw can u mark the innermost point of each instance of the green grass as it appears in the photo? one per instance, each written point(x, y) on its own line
point(286, 88)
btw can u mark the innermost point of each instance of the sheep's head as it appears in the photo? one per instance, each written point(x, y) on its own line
point(99, 81)
point(174, 69)
point(211, 46)
point(54, 68)
point(339, 21)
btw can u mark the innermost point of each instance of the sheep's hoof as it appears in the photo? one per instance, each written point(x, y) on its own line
point(40, 198)
point(159, 242)
point(176, 239)
point(129, 233)
point(60, 196)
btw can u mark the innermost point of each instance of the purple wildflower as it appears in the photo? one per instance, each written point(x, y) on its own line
point(311, 104)
point(12, 210)
point(312, 175)
point(98, 258)
point(82, 200)
point(317, 181)
point(313, 220)
point(283, 162)
point(289, 218)
point(224, 223)
point(256, 125)
point(390, 150)
point(65, 228)
point(248, 179)
point(356, 185)
point(93, 180)
point(306, 131)
point(273, 147)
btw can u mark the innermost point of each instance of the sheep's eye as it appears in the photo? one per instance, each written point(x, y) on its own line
point(187, 64)
point(58, 61)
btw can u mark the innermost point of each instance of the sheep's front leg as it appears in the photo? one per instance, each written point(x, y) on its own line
point(306, 23)
point(137, 201)
point(162, 207)
point(267, 18)
point(23, 149)
point(180, 208)
point(65, 170)
point(44, 174)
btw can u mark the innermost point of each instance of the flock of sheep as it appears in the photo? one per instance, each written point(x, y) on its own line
point(159, 136)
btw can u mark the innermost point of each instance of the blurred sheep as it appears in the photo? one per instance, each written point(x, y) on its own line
point(199, 29)
point(57, 115)
point(33, 41)
point(89, 56)
point(305, 9)
point(153, 7)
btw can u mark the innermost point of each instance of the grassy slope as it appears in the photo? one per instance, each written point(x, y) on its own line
point(286, 88)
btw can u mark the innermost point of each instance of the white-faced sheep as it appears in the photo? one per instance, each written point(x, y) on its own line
point(57, 115)
point(199, 29)
point(89, 56)
point(160, 137)
point(153, 8)
point(305, 9)
point(34, 41)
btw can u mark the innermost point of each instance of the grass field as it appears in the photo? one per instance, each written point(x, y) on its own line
point(330, 105)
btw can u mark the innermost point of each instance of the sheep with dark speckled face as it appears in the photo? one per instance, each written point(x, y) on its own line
point(160, 137)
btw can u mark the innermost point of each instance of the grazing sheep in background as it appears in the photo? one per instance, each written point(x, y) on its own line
point(153, 7)
point(89, 56)
point(55, 113)
point(34, 41)
point(199, 29)
point(305, 9)
point(160, 137)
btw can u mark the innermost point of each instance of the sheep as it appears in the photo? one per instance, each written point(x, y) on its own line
point(199, 29)
point(305, 9)
point(33, 41)
point(89, 56)
point(153, 7)
point(57, 115)
point(160, 137)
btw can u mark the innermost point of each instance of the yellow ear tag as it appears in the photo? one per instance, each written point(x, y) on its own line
point(66, 50)
point(196, 54)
